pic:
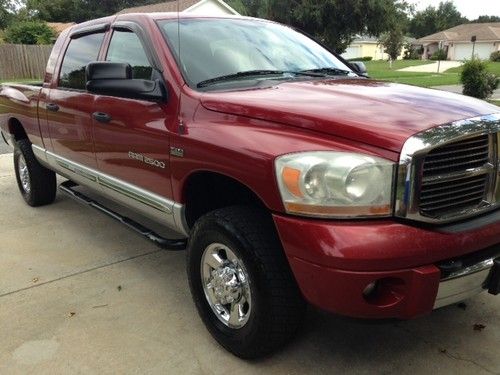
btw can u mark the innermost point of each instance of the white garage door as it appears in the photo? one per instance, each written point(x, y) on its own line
point(352, 52)
point(463, 51)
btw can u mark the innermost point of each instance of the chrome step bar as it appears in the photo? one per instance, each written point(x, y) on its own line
point(68, 187)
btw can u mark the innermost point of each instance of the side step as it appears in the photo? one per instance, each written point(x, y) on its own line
point(67, 187)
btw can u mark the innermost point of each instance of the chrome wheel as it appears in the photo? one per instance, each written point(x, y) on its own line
point(24, 174)
point(226, 285)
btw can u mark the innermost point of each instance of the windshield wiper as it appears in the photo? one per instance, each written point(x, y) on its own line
point(255, 73)
point(328, 71)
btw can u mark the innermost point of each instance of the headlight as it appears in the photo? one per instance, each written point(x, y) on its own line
point(335, 184)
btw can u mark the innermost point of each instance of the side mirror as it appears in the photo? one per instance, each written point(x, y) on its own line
point(360, 68)
point(115, 79)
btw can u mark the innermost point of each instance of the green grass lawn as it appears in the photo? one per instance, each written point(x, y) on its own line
point(21, 80)
point(381, 70)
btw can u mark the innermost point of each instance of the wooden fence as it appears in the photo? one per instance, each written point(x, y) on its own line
point(19, 61)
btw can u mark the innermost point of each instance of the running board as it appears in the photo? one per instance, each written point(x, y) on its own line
point(67, 187)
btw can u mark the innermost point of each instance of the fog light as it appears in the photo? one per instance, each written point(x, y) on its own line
point(370, 289)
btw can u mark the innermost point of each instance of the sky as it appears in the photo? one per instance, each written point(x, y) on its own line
point(469, 8)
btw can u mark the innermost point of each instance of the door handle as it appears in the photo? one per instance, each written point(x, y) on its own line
point(52, 107)
point(101, 117)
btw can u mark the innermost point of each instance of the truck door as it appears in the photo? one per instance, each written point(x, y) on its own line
point(131, 137)
point(69, 106)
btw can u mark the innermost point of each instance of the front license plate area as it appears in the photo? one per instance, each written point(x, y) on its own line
point(494, 279)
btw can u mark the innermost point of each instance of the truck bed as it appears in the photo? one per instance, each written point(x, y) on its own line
point(20, 101)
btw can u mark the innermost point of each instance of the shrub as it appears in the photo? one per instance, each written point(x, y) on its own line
point(29, 32)
point(440, 54)
point(411, 52)
point(476, 79)
point(365, 58)
point(495, 56)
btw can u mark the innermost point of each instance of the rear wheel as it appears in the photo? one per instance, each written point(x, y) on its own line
point(36, 183)
point(241, 282)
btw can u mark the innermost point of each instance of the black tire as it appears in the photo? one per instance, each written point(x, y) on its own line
point(42, 181)
point(277, 305)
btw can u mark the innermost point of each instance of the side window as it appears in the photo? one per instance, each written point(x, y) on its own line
point(80, 52)
point(125, 47)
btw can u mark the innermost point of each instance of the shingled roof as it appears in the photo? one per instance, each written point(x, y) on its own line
point(59, 27)
point(167, 6)
point(463, 33)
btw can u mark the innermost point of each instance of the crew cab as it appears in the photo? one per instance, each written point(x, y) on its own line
point(289, 176)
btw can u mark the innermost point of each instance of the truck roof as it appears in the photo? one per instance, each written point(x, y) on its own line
point(153, 16)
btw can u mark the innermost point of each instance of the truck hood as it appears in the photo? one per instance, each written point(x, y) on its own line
point(377, 113)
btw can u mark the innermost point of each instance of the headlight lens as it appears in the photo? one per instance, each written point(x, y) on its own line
point(335, 184)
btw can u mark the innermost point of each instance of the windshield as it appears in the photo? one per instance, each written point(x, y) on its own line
point(213, 48)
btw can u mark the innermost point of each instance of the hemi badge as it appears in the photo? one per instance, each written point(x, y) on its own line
point(175, 151)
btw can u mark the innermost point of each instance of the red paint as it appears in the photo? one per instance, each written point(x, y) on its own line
point(373, 112)
point(377, 245)
point(239, 134)
point(411, 294)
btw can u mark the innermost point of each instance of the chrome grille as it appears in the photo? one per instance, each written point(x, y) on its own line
point(450, 172)
point(451, 162)
point(458, 156)
point(443, 198)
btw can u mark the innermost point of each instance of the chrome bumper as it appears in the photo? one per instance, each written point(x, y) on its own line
point(464, 283)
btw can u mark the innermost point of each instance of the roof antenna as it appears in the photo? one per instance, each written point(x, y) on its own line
point(181, 127)
point(179, 31)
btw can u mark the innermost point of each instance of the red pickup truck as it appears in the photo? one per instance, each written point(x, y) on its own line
point(287, 174)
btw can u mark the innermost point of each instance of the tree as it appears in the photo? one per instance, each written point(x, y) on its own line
point(79, 10)
point(486, 19)
point(29, 32)
point(239, 6)
point(432, 20)
point(393, 42)
point(6, 13)
point(334, 22)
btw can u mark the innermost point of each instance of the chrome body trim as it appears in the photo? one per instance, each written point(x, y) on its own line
point(154, 206)
point(464, 283)
point(40, 154)
point(414, 151)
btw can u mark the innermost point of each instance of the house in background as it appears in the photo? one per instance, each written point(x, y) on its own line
point(210, 7)
point(59, 27)
point(367, 46)
point(364, 46)
point(457, 41)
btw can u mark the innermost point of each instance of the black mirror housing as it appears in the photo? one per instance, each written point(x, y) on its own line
point(115, 79)
point(140, 89)
point(107, 70)
point(360, 68)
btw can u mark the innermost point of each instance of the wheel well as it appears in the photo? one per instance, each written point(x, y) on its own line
point(17, 129)
point(208, 191)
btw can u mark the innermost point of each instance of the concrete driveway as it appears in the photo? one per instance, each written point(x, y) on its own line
point(458, 89)
point(432, 67)
point(81, 294)
point(4, 148)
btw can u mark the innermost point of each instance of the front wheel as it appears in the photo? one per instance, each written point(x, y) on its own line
point(36, 183)
point(241, 282)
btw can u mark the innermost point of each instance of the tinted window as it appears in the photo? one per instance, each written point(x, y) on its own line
point(80, 52)
point(217, 47)
point(125, 47)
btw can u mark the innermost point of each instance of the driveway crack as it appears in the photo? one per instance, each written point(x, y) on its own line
point(456, 357)
point(459, 358)
point(80, 273)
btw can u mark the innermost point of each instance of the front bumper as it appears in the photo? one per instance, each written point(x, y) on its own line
point(386, 269)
